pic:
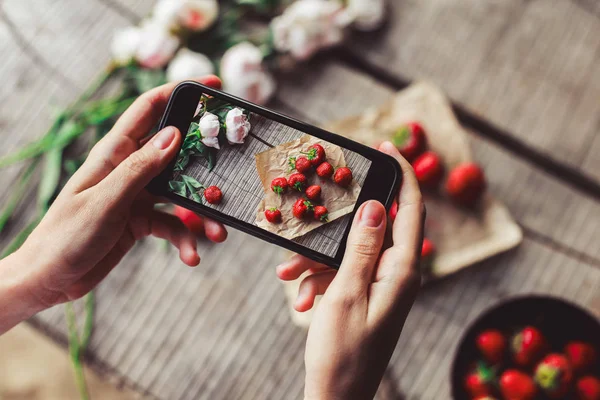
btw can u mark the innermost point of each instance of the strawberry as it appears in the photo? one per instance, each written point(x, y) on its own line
point(491, 344)
point(190, 219)
point(273, 215)
point(486, 397)
point(213, 195)
point(279, 185)
point(427, 249)
point(581, 355)
point(325, 170)
point(516, 385)
point(588, 388)
point(410, 140)
point(321, 214)
point(480, 381)
point(394, 210)
point(301, 208)
point(297, 181)
point(313, 192)
point(428, 169)
point(343, 176)
point(300, 164)
point(554, 375)
point(528, 346)
point(316, 154)
point(466, 183)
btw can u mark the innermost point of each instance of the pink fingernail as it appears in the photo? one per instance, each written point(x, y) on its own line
point(164, 138)
point(372, 214)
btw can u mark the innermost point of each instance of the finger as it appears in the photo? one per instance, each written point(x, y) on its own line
point(123, 184)
point(297, 265)
point(407, 231)
point(147, 109)
point(214, 231)
point(362, 249)
point(169, 227)
point(312, 286)
point(125, 137)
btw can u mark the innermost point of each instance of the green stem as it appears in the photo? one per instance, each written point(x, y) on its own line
point(88, 324)
point(75, 352)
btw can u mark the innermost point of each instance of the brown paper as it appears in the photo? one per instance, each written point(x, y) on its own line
point(273, 163)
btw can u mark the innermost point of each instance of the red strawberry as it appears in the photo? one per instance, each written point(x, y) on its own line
point(300, 164)
point(213, 195)
point(313, 192)
point(410, 140)
point(492, 344)
point(297, 181)
point(301, 208)
point(321, 214)
point(466, 183)
point(394, 210)
point(325, 170)
point(480, 381)
point(486, 397)
point(528, 346)
point(588, 388)
point(273, 215)
point(279, 185)
point(516, 385)
point(316, 154)
point(190, 219)
point(427, 249)
point(581, 355)
point(554, 375)
point(428, 169)
point(343, 176)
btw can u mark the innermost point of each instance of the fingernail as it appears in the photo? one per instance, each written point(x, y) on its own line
point(372, 214)
point(164, 138)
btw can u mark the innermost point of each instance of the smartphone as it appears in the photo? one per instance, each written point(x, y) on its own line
point(241, 148)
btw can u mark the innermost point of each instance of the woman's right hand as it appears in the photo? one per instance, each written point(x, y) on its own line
point(358, 321)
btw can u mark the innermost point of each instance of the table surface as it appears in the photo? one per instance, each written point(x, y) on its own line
point(524, 77)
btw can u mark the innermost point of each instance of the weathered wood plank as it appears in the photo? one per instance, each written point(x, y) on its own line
point(324, 92)
point(531, 67)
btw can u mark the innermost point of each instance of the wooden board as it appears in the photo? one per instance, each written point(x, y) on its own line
point(529, 67)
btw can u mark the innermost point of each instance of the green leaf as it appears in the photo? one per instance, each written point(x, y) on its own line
point(178, 188)
point(146, 79)
point(212, 159)
point(188, 180)
point(50, 179)
point(182, 162)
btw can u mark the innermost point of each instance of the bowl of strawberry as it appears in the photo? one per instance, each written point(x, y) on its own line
point(529, 348)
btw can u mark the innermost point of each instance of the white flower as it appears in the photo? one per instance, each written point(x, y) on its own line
point(237, 125)
point(244, 75)
point(209, 129)
point(125, 43)
point(187, 65)
point(196, 15)
point(156, 47)
point(309, 25)
point(367, 15)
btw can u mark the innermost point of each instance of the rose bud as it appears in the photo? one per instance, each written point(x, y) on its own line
point(244, 75)
point(157, 46)
point(124, 44)
point(238, 126)
point(209, 129)
point(367, 15)
point(187, 65)
point(195, 15)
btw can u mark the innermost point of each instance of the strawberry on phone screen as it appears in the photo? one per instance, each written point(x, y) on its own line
point(300, 164)
point(213, 195)
point(343, 176)
point(321, 214)
point(302, 208)
point(325, 170)
point(313, 192)
point(316, 154)
point(297, 181)
point(279, 185)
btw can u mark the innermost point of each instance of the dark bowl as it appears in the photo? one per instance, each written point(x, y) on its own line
point(558, 320)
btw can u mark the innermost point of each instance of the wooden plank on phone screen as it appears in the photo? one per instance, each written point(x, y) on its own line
point(529, 67)
point(330, 91)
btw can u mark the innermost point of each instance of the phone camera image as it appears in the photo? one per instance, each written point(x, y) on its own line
point(269, 175)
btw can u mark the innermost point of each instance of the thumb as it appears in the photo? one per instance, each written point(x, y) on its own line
point(132, 175)
point(362, 248)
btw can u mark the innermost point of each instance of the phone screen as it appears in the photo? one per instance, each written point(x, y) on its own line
point(255, 163)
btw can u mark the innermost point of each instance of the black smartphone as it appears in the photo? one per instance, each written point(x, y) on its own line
point(244, 150)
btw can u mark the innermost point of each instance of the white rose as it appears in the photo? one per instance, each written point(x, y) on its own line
point(309, 25)
point(157, 46)
point(367, 15)
point(187, 65)
point(196, 15)
point(209, 129)
point(125, 43)
point(244, 75)
point(237, 125)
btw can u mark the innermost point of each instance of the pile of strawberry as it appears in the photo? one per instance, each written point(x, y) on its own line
point(464, 185)
point(529, 370)
point(313, 160)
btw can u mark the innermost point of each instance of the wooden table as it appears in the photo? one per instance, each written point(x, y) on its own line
point(524, 76)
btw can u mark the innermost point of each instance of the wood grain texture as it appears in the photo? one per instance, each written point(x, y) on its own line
point(531, 67)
